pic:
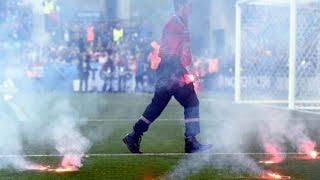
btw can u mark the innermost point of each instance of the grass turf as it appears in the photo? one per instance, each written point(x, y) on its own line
point(118, 113)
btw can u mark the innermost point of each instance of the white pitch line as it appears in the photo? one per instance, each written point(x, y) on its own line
point(117, 120)
point(179, 120)
point(146, 154)
point(124, 120)
point(163, 120)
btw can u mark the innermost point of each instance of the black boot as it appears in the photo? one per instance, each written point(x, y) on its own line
point(133, 142)
point(193, 146)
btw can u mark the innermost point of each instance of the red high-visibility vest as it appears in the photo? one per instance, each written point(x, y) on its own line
point(90, 34)
point(213, 66)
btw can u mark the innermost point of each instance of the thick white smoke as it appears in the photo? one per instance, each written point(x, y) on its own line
point(272, 135)
point(234, 129)
point(11, 148)
point(298, 136)
point(70, 143)
point(22, 120)
point(61, 131)
point(280, 128)
point(10, 143)
point(66, 135)
point(231, 137)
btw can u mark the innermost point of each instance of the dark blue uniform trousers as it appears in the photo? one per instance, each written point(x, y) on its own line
point(170, 82)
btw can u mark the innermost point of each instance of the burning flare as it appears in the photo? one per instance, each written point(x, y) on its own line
point(308, 147)
point(64, 169)
point(268, 162)
point(191, 77)
point(272, 175)
point(188, 78)
point(313, 154)
point(72, 160)
point(277, 176)
point(70, 163)
point(37, 167)
point(275, 152)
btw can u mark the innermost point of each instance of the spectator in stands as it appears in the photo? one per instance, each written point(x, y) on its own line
point(84, 70)
point(66, 34)
point(130, 77)
point(48, 8)
point(124, 73)
point(145, 31)
point(90, 35)
point(81, 45)
point(107, 72)
point(141, 74)
point(106, 34)
point(118, 33)
point(94, 64)
point(17, 24)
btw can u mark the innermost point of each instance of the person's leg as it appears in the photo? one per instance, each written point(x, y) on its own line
point(86, 83)
point(154, 109)
point(81, 84)
point(164, 88)
point(104, 86)
point(160, 100)
point(187, 97)
point(108, 86)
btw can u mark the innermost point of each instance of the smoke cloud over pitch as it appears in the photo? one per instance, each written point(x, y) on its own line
point(233, 129)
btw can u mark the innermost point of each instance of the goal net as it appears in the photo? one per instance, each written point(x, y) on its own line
point(278, 52)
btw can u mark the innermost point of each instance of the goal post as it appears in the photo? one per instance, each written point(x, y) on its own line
point(277, 52)
point(292, 53)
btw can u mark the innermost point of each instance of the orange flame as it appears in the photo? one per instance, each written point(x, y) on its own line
point(267, 162)
point(191, 77)
point(188, 78)
point(64, 169)
point(313, 154)
point(275, 152)
point(308, 147)
point(37, 167)
point(67, 169)
point(275, 176)
point(272, 175)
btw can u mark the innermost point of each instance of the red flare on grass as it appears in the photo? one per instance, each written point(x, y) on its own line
point(267, 162)
point(272, 175)
point(308, 147)
point(71, 160)
point(275, 152)
point(37, 167)
point(306, 157)
point(64, 169)
point(313, 154)
point(277, 176)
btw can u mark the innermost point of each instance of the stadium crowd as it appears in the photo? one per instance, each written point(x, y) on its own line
point(16, 21)
point(88, 56)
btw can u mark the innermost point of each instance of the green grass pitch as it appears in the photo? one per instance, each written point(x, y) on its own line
point(105, 119)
